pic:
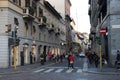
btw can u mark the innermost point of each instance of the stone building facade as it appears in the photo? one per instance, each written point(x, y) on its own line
point(63, 7)
point(38, 27)
point(105, 14)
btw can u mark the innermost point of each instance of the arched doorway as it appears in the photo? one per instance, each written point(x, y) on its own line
point(34, 54)
point(25, 53)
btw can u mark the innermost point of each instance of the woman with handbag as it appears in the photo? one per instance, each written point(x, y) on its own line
point(71, 59)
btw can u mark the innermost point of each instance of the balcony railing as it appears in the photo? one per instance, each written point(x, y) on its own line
point(57, 31)
point(28, 13)
point(50, 27)
point(42, 22)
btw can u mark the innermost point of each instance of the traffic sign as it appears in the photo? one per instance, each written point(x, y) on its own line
point(102, 31)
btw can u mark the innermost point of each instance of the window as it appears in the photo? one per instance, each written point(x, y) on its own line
point(27, 3)
point(39, 36)
point(40, 12)
point(18, 2)
point(33, 32)
point(34, 5)
point(16, 21)
point(26, 30)
point(15, 1)
point(44, 37)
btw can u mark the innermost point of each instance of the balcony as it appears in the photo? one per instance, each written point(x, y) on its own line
point(57, 31)
point(51, 27)
point(42, 22)
point(62, 32)
point(28, 13)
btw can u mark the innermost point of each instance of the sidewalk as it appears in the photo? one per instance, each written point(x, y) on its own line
point(107, 71)
point(104, 70)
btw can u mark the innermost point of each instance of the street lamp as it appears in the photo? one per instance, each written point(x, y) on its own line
point(16, 43)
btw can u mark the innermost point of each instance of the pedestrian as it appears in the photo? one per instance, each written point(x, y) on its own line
point(61, 57)
point(31, 61)
point(71, 59)
point(118, 55)
point(50, 55)
point(42, 59)
point(68, 61)
point(96, 59)
point(117, 62)
point(22, 58)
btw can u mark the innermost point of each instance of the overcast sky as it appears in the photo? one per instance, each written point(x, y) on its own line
point(79, 12)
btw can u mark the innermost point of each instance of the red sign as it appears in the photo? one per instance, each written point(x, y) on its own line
point(102, 31)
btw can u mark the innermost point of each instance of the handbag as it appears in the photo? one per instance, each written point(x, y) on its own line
point(71, 61)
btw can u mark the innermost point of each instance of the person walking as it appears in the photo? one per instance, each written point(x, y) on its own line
point(71, 59)
point(61, 57)
point(117, 62)
point(96, 59)
point(68, 60)
point(42, 59)
point(118, 55)
point(31, 57)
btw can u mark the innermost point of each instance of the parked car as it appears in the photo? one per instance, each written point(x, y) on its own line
point(82, 54)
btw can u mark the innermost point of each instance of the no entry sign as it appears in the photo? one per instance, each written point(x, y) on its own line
point(102, 31)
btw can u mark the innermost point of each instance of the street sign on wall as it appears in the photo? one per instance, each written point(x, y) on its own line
point(103, 31)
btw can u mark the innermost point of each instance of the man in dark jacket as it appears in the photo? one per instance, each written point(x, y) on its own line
point(117, 62)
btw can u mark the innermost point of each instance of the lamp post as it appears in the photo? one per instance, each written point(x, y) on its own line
point(16, 42)
point(102, 32)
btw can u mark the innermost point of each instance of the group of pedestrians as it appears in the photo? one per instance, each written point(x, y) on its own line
point(93, 58)
point(52, 57)
point(117, 62)
point(57, 57)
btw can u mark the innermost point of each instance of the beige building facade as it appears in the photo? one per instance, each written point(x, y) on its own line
point(63, 7)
